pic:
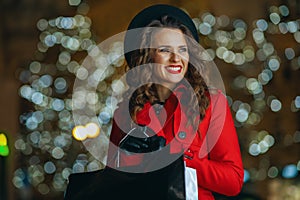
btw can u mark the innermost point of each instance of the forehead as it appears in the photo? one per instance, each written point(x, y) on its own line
point(168, 37)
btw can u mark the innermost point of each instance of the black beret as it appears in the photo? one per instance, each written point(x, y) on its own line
point(155, 12)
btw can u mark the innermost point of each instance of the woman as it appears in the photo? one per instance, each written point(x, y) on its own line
point(169, 101)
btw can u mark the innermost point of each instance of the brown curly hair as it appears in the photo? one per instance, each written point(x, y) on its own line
point(148, 93)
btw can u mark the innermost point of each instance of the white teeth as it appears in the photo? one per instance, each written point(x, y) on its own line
point(173, 68)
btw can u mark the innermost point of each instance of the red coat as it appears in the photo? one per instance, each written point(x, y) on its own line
point(213, 150)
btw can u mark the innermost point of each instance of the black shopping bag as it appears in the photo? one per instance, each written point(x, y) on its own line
point(111, 184)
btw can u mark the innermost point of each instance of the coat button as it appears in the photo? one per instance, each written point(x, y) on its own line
point(182, 135)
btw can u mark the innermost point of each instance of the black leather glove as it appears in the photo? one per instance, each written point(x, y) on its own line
point(138, 142)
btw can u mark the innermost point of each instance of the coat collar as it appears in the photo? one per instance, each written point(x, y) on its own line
point(147, 115)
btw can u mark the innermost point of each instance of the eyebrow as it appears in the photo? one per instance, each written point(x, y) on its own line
point(161, 46)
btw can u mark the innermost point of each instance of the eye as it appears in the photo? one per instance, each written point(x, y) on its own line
point(183, 49)
point(164, 50)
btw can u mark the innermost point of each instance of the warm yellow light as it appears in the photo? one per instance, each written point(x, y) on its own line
point(3, 140)
point(90, 130)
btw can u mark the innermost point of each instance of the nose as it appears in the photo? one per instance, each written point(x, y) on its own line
point(175, 57)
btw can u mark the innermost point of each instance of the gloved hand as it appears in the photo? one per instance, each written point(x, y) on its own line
point(141, 143)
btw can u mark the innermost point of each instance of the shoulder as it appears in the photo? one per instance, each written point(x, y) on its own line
point(217, 97)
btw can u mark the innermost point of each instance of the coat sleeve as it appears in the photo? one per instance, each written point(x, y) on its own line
point(221, 169)
point(117, 157)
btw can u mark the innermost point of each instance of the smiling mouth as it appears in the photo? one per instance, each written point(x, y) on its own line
point(174, 69)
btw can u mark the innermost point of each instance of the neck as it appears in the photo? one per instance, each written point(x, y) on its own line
point(163, 92)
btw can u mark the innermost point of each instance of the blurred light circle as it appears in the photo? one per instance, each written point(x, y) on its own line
point(73, 44)
point(64, 41)
point(284, 10)
point(35, 67)
point(49, 167)
point(83, 8)
point(209, 18)
point(269, 140)
point(242, 115)
point(236, 105)
point(93, 166)
point(239, 33)
point(38, 116)
point(273, 172)
point(254, 149)
point(260, 54)
point(60, 141)
point(297, 101)
point(85, 33)
point(74, 2)
point(35, 137)
point(86, 43)
point(228, 56)
point(58, 105)
point(60, 83)
point(274, 64)
point(268, 48)
point(79, 133)
point(297, 36)
point(245, 106)
point(263, 78)
point(73, 66)
point(275, 18)
point(19, 144)
point(104, 117)
point(258, 36)
point(67, 22)
point(246, 176)
point(79, 20)
point(37, 98)
point(262, 25)
point(292, 26)
point(289, 53)
point(50, 40)
point(66, 173)
point(205, 28)
point(220, 52)
point(223, 20)
point(41, 48)
point(92, 129)
point(275, 105)
point(57, 153)
point(25, 76)
point(31, 124)
point(18, 182)
point(43, 188)
point(78, 168)
point(111, 102)
point(239, 59)
point(208, 55)
point(118, 86)
point(290, 171)
point(263, 146)
point(82, 73)
point(64, 57)
point(253, 118)
point(26, 92)
point(248, 51)
point(252, 84)
point(283, 28)
point(45, 81)
point(59, 36)
point(42, 24)
point(92, 98)
point(238, 23)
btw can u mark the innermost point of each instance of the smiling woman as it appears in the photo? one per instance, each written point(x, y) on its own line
point(172, 109)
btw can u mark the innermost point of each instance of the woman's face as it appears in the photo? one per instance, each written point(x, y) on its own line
point(171, 56)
